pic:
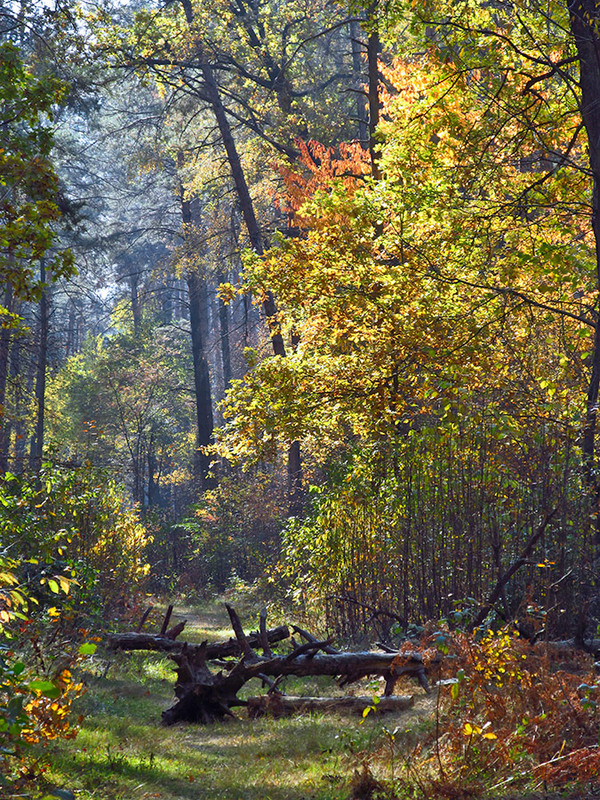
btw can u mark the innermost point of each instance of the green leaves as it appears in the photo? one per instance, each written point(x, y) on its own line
point(46, 688)
point(29, 207)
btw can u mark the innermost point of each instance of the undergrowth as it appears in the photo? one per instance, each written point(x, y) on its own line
point(509, 717)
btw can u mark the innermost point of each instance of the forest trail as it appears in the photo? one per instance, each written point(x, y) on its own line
point(122, 751)
point(208, 621)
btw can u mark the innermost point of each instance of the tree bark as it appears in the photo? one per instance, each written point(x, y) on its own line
point(584, 20)
point(202, 389)
point(204, 696)
point(247, 208)
point(5, 336)
point(362, 116)
point(373, 48)
point(37, 444)
point(216, 650)
point(134, 283)
point(16, 366)
point(224, 339)
point(242, 192)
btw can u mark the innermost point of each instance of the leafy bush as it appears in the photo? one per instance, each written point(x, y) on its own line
point(512, 715)
point(74, 523)
point(518, 710)
point(73, 552)
point(32, 710)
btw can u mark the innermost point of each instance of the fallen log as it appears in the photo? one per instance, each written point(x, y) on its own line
point(279, 705)
point(204, 696)
point(349, 666)
point(156, 642)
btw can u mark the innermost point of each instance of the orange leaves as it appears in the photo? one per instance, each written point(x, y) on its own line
point(582, 764)
point(49, 717)
point(320, 166)
point(525, 704)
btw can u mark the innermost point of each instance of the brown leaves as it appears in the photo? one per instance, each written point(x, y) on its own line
point(514, 703)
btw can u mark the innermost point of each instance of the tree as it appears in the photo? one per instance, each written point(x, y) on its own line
point(552, 53)
point(215, 54)
point(444, 306)
point(29, 203)
point(124, 402)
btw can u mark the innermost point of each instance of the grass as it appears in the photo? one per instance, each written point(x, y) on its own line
point(122, 752)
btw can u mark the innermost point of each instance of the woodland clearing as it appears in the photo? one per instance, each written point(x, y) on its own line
point(122, 751)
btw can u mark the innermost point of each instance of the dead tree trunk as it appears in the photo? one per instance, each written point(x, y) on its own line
point(216, 650)
point(204, 696)
point(280, 705)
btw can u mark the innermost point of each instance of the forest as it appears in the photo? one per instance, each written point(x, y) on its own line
point(299, 317)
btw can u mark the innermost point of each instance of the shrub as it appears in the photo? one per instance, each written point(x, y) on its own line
point(32, 710)
point(511, 715)
point(73, 551)
point(75, 522)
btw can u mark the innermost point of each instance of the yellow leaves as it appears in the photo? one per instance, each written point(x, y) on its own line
point(470, 729)
point(58, 584)
point(227, 292)
point(8, 578)
point(49, 710)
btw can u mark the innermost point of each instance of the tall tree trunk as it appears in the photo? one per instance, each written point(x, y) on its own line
point(19, 425)
point(362, 116)
point(243, 195)
point(37, 444)
point(224, 339)
point(153, 486)
point(585, 22)
point(5, 336)
point(134, 281)
point(247, 208)
point(204, 414)
point(197, 295)
point(70, 347)
point(373, 48)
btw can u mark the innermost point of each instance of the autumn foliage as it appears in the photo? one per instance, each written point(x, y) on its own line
point(318, 168)
point(511, 714)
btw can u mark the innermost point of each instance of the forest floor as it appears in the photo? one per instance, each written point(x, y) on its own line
point(123, 753)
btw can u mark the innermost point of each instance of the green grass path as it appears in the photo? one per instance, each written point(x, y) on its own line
point(123, 753)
